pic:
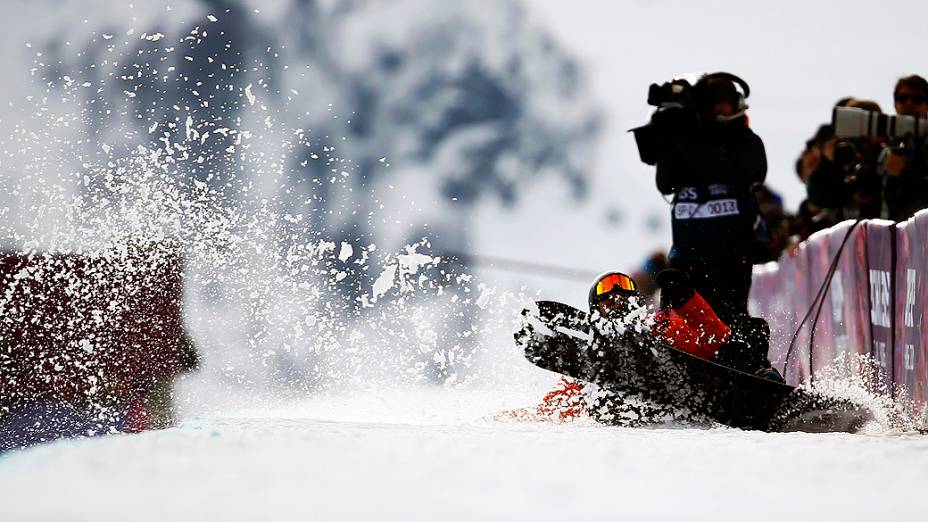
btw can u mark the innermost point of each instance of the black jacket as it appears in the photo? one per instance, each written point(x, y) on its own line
point(710, 170)
point(906, 194)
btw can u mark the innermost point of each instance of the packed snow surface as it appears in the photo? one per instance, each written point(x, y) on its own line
point(426, 455)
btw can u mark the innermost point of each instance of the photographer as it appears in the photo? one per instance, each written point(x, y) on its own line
point(845, 183)
point(708, 159)
point(882, 158)
point(904, 166)
point(824, 185)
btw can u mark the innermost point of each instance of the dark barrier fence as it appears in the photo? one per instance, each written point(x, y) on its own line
point(873, 303)
point(89, 343)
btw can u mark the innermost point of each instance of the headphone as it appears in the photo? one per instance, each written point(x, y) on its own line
point(740, 104)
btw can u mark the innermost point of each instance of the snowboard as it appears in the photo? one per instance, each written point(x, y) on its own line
point(562, 339)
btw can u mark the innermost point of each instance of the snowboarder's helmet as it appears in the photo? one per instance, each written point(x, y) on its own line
point(611, 283)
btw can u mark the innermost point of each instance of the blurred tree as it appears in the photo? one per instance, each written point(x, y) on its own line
point(456, 101)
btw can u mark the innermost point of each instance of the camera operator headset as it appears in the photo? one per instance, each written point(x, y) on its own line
point(708, 158)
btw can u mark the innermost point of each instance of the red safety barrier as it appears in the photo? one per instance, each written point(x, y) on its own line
point(776, 308)
point(102, 330)
point(921, 346)
point(822, 321)
point(848, 292)
point(906, 299)
point(911, 338)
point(880, 277)
point(801, 296)
point(874, 303)
point(784, 287)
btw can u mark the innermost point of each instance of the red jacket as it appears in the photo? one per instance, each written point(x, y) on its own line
point(693, 328)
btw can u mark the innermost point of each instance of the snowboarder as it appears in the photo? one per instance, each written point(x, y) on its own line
point(685, 321)
point(682, 362)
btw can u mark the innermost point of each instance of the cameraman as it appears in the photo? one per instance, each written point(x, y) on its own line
point(708, 159)
point(904, 164)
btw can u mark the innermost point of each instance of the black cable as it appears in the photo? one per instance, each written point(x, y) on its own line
point(826, 285)
point(818, 301)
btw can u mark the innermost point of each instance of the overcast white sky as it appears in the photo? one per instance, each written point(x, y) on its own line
point(798, 57)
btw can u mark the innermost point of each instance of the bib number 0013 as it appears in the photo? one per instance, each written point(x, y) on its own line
point(709, 209)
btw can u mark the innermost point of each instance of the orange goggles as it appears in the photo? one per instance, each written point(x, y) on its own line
point(614, 282)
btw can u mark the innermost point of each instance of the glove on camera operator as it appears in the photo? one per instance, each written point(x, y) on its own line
point(904, 165)
point(708, 159)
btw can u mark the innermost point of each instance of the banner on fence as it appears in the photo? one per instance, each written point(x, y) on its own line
point(873, 304)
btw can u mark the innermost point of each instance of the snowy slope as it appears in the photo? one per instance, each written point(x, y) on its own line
point(430, 456)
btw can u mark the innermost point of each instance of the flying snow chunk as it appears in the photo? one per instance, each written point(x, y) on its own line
point(412, 261)
point(249, 95)
point(385, 281)
point(211, 18)
point(345, 252)
point(485, 295)
point(189, 131)
point(86, 345)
